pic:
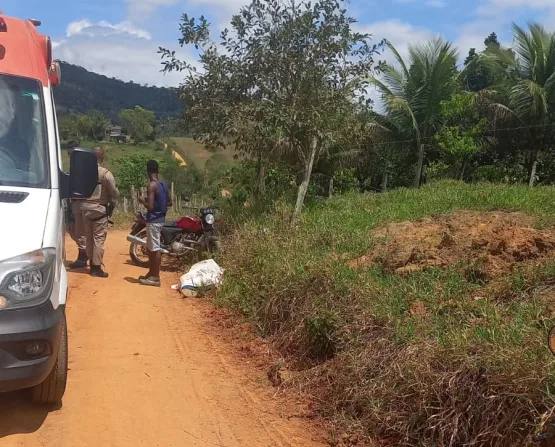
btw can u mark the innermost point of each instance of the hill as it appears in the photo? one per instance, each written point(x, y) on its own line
point(82, 90)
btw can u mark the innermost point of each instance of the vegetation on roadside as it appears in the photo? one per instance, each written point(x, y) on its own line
point(433, 357)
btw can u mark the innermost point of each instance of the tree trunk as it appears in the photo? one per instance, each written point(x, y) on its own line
point(260, 188)
point(303, 187)
point(463, 169)
point(533, 171)
point(384, 180)
point(330, 188)
point(419, 166)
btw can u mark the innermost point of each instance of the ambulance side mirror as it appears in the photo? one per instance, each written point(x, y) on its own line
point(83, 175)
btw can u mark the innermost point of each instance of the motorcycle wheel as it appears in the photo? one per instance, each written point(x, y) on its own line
point(138, 253)
point(213, 245)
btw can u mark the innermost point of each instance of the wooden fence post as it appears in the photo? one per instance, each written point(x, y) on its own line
point(173, 194)
point(143, 192)
point(134, 199)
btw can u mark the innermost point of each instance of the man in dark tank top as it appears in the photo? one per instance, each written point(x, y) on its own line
point(157, 202)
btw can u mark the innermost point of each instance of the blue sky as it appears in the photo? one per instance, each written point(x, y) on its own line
point(120, 37)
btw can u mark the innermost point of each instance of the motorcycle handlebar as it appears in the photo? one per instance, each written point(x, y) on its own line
point(198, 207)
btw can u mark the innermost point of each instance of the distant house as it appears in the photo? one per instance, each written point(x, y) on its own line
point(113, 134)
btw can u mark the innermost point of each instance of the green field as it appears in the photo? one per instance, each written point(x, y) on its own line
point(114, 151)
point(194, 152)
point(191, 151)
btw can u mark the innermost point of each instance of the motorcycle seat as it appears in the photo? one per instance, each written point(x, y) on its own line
point(170, 225)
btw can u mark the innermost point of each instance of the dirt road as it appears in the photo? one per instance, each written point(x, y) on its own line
point(146, 371)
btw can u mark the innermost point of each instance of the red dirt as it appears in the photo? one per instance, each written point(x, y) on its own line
point(489, 245)
point(147, 368)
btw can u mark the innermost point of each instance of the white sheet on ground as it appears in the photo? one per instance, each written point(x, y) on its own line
point(201, 276)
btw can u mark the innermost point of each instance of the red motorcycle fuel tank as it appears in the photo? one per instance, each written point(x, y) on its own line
point(190, 224)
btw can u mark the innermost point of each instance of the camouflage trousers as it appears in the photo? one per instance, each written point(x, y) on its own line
point(76, 227)
point(96, 230)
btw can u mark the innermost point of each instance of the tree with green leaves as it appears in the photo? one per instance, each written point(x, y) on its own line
point(462, 137)
point(289, 72)
point(67, 126)
point(477, 74)
point(98, 124)
point(413, 93)
point(84, 125)
point(526, 100)
point(139, 123)
point(492, 41)
point(131, 171)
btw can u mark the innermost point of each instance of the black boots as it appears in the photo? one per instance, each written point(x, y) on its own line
point(81, 262)
point(97, 272)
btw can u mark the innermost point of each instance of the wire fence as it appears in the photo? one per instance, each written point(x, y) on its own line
point(129, 203)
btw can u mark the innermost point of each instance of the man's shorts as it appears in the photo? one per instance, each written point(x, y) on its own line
point(153, 232)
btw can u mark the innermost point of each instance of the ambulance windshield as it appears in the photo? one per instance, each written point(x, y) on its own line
point(23, 144)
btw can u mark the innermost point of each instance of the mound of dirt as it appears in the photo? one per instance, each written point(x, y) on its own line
point(487, 244)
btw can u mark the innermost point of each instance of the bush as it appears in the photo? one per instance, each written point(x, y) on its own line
point(437, 170)
point(345, 180)
point(512, 174)
point(131, 171)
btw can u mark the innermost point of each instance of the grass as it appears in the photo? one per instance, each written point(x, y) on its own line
point(195, 152)
point(114, 151)
point(191, 151)
point(474, 370)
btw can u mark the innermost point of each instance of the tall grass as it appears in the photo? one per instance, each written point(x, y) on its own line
point(471, 367)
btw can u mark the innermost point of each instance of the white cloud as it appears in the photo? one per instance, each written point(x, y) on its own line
point(496, 15)
point(401, 35)
point(122, 51)
point(77, 27)
point(88, 28)
point(496, 7)
point(127, 28)
point(142, 9)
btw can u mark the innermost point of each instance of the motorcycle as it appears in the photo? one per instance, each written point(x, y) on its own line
point(189, 235)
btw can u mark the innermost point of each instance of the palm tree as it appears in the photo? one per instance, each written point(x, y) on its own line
point(527, 97)
point(413, 93)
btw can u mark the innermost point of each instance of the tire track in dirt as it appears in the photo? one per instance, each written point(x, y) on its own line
point(146, 371)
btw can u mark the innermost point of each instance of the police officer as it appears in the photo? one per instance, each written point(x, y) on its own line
point(75, 224)
point(95, 212)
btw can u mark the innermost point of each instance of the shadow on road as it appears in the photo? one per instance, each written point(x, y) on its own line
point(172, 266)
point(19, 415)
point(131, 280)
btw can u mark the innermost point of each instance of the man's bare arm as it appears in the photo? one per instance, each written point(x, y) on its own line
point(111, 184)
point(151, 196)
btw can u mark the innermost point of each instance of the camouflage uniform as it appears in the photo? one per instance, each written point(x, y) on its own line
point(95, 216)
